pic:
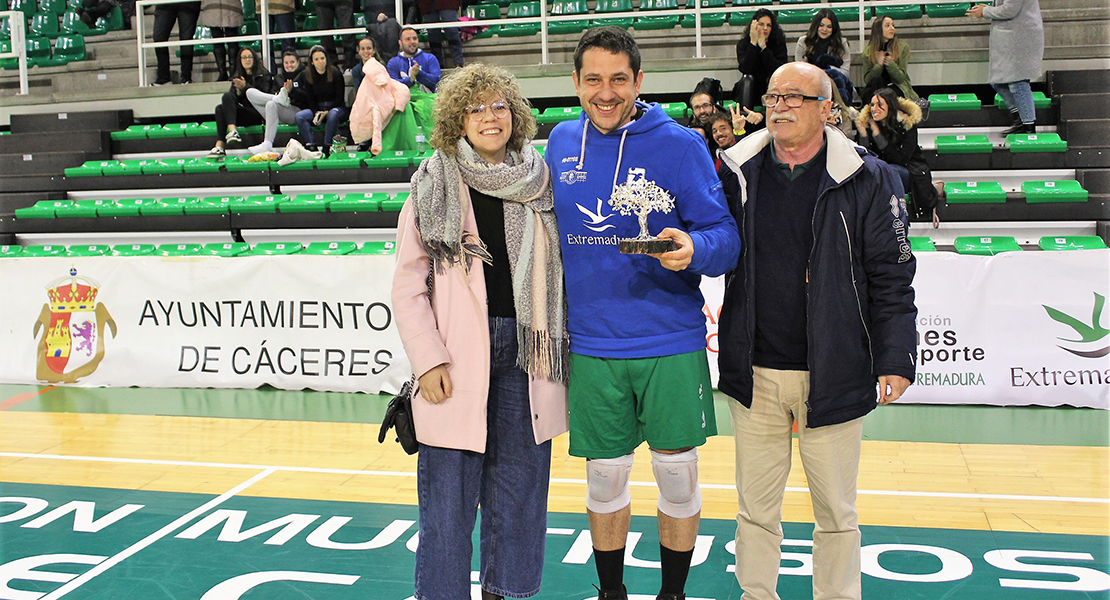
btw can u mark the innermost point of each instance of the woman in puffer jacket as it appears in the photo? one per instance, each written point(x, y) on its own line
point(887, 127)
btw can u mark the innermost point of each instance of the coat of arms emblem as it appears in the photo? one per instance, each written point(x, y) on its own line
point(73, 325)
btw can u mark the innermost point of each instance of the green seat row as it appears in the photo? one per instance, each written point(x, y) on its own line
point(338, 160)
point(989, 192)
point(212, 249)
point(218, 205)
point(989, 246)
point(1015, 142)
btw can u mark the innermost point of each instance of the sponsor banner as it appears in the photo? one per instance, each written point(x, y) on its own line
point(292, 322)
point(1019, 328)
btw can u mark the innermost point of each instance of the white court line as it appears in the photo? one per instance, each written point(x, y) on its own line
point(154, 537)
point(708, 486)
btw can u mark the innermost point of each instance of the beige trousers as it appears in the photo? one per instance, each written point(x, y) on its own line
point(830, 456)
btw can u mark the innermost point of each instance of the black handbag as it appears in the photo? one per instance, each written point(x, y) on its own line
point(398, 416)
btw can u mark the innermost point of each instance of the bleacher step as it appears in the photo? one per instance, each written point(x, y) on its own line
point(1084, 106)
point(94, 142)
point(1079, 82)
point(64, 122)
point(43, 163)
point(1086, 133)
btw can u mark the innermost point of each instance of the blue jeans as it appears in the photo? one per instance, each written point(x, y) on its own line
point(283, 23)
point(509, 481)
point(1018, 95)
point(332, 122)
point(904, 175)
point(435, 37)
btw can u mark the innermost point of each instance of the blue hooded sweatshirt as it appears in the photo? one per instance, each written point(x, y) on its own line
point(629, 306)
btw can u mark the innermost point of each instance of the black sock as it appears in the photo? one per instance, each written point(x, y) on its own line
point(610, 569)
point(676, 566)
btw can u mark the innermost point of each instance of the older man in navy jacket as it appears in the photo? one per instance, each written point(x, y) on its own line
point(819, 309)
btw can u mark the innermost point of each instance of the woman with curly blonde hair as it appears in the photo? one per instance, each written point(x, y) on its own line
point(478, 297)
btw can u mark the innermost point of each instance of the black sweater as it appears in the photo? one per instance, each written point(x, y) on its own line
point(314, 95)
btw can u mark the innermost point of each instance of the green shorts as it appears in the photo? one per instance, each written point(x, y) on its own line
point(618, 403)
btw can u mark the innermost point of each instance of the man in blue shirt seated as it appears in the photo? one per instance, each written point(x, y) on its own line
point(412, 65)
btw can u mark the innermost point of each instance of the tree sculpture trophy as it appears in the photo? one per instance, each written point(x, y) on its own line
point(642, 197)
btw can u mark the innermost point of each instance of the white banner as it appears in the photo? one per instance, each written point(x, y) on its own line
point(1019, 328)
point(292, 322)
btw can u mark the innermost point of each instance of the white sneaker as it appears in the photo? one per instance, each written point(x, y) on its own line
point(282, 98)
point(265, 146)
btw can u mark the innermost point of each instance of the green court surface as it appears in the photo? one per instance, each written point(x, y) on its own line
point(88, 543)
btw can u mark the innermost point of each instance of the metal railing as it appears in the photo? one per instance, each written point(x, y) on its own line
point(17, 27)
point(863, 7)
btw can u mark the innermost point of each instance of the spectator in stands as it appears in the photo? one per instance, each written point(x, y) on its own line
point(91, 10)
point(185, 14)
point(377, 97)
point(276, 108)
point(887, 127)
point(282, 20)
point(235, 108)
point(759, 52)
point(224, 18)
point(724, 133)
point(442, 11)
point(320, 91)
point(412, 65)
point(479, 226)
point(382, 25)
point(1016, 51)
point(824, 46)
point(705, 101)
point(885, 60)
point(337, 14)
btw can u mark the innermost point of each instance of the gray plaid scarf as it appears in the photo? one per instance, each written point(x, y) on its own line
point(531, 236)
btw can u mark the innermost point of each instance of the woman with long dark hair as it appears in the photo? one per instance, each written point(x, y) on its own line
point(235, 108)
point(320, 92)
point(824, 45)
point(888, 127)
point(885, 60)
point(478, 297)
point(760, 51)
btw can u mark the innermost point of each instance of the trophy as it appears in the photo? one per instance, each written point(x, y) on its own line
point(641, 197)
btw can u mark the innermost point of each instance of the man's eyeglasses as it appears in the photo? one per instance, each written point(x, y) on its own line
point(792, 100)
point(704, 106)
point(478, 111)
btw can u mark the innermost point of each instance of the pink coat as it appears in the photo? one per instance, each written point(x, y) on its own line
point(454, 330)
point(376, 99)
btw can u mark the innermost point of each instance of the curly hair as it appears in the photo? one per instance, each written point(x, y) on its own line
point(467, 86)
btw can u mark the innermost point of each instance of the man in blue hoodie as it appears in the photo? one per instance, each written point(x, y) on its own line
point(638, 368)
point(412, 66)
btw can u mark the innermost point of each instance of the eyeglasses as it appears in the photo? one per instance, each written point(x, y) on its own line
point(478, 111)
point(702, 106)
point(792, 100)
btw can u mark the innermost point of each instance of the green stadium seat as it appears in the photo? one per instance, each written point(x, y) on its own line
point(71, 23)
point(178, 249)
point(1039, 101)
point(674, 110)
point(744, 18)
point(27, 7)
point(521, 10)
point(45, 24)
point(922, 244)
point(205, 129)
point(10, 250)
point(166, 166)
point(38, 50)
point(251, 27)
point(557, 114)
point(942, 102)
point(796, 16)
point(650, 22)
point(1053, 191)
point(396, 203)
point(938, 11)
point(359, 202)
point(1071, 242)
point(134, 132)
point(89, 250)
point(168, 206)
point(113, 21)
point(300, 165)
point(170, 130)
point(43, 209)
point(5, 31)
point(225, 248)
point(57, 7)
point(395, 158)
point(258, 204)
point(963, 144)
point(133, 250)
point(900, 13)
point(416, 160)
point(562, 8)
point(238, 164)
point(849, 15)
point(343, 160)
point(202, 164)
point(274, 248)
point(376, 248)
point(1036, 142)
point(974, 192)
point(85, 208)
point(485, 12)
point(708, 18)
point(5, 47)
point(328, 248)
point(613, 6)
point(132, 166)
point(311, 23)
point(212, 205)
point(986, 246)
point(70, 47)
point(131, 207)
point(44, 250)
point(90, 168)
point(303, 203)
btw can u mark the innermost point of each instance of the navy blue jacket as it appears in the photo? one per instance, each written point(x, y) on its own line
point(859, 296)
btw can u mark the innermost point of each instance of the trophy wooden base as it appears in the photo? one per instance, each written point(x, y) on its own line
point(646, 246)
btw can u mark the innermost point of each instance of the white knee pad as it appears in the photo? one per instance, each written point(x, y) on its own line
point(607, 484)
point(677, 478)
